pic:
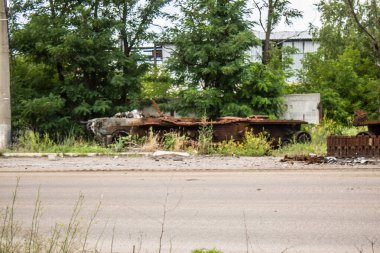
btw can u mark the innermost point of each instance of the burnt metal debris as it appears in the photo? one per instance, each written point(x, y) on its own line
point(308, 159)
point(353, 146)
point(365, 144)
point(108, 130)
point(316, 159)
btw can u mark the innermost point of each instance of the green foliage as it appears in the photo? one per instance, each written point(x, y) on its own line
point(262, 89)
point(347, 84)
point(31, 141)
point(345, 70)
point(156, 83)
point(67, 64)
point(319, 134)
point(200, 102)
point(129, 141)
point(211, 41)
point(348, 23)
point(174, 141)
point(252, 145)
point(206, 251)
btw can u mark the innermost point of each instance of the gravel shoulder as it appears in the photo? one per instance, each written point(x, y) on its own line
point(148, 162)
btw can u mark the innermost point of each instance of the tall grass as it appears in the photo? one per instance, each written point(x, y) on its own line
point(31, 141)
point(174, 141)
point(205, 134)
point(152, 141)
point(69, 238)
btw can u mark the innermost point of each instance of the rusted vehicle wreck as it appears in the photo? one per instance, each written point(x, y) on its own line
point(364, 144)
point(108, 130)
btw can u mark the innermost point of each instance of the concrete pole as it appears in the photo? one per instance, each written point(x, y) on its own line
point(5, 98)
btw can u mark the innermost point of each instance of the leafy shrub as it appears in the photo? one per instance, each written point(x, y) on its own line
point(252, 145)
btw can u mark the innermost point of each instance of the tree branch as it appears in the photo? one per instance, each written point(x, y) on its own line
point(260, 15)
point(350, 4)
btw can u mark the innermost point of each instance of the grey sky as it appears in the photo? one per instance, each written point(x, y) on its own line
point(310, 15)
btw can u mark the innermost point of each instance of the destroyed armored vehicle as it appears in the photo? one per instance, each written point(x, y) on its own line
point(108, 130)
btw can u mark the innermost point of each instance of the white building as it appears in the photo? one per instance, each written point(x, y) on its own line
point(301, 40)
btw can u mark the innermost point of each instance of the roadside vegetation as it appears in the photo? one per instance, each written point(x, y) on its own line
point(251, 145)
point(31, 141)
point(319, 134)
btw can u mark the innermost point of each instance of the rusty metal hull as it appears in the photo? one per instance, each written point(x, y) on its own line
point(353, 146)
point(106, 130)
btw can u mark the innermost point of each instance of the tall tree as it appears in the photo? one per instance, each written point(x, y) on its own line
point(345, 69)
point(134, 19)
point(211, 42)
point(271, 14)
point(73, 49)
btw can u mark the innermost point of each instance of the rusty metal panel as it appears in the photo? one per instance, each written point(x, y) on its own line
point(353, 146)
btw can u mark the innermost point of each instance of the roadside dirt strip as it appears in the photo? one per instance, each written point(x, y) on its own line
point(148, 162)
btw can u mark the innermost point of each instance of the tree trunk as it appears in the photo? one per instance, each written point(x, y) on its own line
point(268, 31)
point(5, 98)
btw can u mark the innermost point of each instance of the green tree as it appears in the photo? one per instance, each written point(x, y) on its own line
point(73, 49)
point(134, 19)
point(347, 83)
point(271, 14)
point(210, 56)
point(156, 83)
point(345, 69)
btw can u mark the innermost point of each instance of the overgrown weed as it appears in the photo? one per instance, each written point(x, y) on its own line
point(68, 238)
point(174, 141)
point(152, 141)
point(31, 141)
point(127, 142)
point(252, 145)
point(205, 134)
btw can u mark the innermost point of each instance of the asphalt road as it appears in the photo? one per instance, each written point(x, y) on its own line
point(264, 211)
